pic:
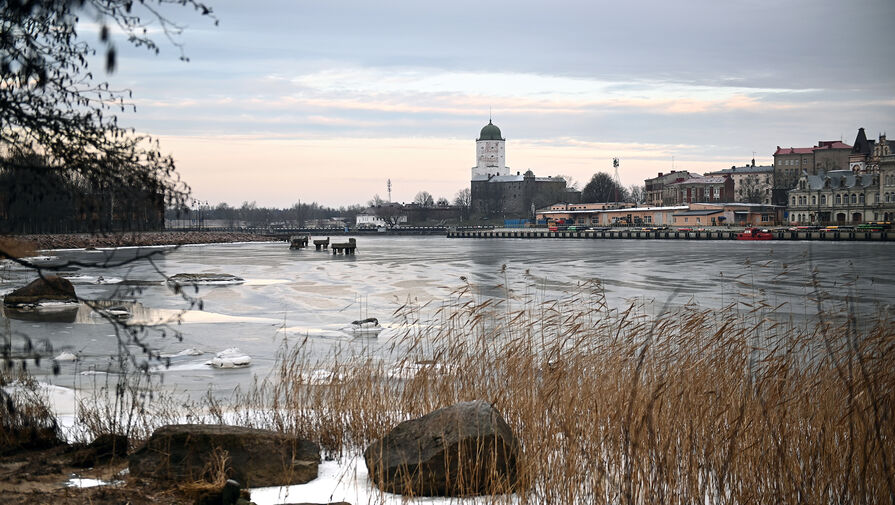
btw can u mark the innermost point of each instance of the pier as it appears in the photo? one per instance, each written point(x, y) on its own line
point(827, 235)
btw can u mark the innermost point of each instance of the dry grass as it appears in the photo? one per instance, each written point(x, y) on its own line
point(640, 405)
point(628, 407)
point(12, 247)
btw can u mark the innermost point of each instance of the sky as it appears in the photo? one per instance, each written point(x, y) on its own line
point(297, 101)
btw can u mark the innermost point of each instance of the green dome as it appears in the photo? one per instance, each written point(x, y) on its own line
point(490, 132)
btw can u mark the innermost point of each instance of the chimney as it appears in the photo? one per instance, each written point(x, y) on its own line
point(753, 162)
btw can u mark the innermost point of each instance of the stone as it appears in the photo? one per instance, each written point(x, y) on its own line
point(204, 279)
point(256, 458)
point(50, 288)
point(465, 449)
point(103, 449)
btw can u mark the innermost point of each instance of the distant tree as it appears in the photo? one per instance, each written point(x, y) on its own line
point(571, 183)
point(424, 199)
point(53, 105)
point(390, 213)
point(463, 201)
point(637, 193)
point(442, 202)
point(376, 201)
point(602, 188)
point(751, 190)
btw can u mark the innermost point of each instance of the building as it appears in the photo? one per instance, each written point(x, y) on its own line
point(751, 183)
point(733, 214)
point(836, 197)
point(654, 189)
point(790, 162)
point(497, 193)
point(607, 214)
point(705, 188)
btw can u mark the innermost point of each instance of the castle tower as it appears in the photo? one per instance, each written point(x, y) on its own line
point(489, 153)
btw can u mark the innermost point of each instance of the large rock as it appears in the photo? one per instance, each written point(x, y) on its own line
point(50, 288)
point(257, 458)
point(464, 449)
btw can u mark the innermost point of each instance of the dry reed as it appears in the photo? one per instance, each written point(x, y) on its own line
point(623, 406)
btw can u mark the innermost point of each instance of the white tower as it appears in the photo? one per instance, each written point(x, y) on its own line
point(489, 153)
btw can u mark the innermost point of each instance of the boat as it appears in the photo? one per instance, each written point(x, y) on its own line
point(755, 234)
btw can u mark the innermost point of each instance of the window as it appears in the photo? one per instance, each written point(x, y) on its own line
point(861, 198)
point(854, 198)
point(823, 199)
point(813, 199)
point(793, 200)
point(838, 199)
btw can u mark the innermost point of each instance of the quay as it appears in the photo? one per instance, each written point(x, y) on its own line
point(828, 235)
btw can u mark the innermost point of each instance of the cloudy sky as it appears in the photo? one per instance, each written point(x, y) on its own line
point(326, 100)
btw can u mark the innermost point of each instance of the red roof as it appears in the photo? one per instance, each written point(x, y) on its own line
point(832, 144)
point(823, 144)
point(793, 150)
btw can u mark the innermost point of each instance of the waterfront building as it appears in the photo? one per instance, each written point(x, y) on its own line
point(733, 213)
point(608, 214)
point(790, 162)
point(863, 192)
point(704, 188)
point(497, 193)
point(751, 183)
point(655, 193)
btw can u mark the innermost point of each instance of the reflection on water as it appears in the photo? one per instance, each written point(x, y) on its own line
point(289, 296)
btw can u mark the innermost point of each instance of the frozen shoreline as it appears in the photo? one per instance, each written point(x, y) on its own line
point(137, 239)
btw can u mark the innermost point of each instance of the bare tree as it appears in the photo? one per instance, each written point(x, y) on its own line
point(424, 199)
point(463, 201)
point(637, 193)
point(571, 183)
point(391, 214)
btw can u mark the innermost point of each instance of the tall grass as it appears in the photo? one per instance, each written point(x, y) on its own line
point(640, 404)
point(630, 406)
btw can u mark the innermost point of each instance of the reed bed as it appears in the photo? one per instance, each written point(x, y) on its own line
point(622, 406)
point(643, 404)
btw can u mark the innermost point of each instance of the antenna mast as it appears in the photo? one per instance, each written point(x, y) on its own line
point(389, 185)
point(618, 182)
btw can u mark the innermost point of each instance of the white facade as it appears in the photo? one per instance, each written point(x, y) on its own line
point(490, 154)
point(490, 158)
point(374, 221)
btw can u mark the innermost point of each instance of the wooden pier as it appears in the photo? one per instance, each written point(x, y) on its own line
point(344, 247)
point(828, 235)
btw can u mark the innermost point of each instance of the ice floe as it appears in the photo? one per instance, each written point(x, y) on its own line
point(231, 358)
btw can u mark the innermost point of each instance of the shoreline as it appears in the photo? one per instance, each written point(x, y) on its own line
point(135, 239)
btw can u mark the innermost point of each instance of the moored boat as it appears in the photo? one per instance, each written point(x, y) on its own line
point(755, 234)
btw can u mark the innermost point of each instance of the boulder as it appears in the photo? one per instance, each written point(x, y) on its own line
point(50, 288)
point(257, 458)
point(102, 450)
point(204, 279)
point(464, 449)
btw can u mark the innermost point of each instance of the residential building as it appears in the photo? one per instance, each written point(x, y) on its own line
point(654, 189)
point(751, 183)
point(707, 189)
point(790, 162)
point(837, 197)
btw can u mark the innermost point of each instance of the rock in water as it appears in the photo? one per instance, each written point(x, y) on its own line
point(258, 458)
point(464, 449)
point(50, 288)
point(204, 279)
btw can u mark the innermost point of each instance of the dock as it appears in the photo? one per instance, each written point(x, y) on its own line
point(828, 235)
